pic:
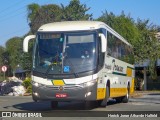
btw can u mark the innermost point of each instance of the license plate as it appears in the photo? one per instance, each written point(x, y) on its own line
point(61, 95)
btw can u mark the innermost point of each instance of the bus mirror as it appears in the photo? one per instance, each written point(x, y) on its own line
point(103, 42)
point(26, 41)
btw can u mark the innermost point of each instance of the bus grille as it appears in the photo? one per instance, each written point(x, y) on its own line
point(66, 87)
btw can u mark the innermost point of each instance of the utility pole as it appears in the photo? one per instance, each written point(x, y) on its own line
point(145, 78)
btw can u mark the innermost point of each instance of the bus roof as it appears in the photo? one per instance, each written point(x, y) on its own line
point(70, 26)
point(78, 26)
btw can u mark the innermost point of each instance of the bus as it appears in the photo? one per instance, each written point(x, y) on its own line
point(80, 61)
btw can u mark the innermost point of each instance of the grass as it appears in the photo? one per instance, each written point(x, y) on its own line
point(2, 77)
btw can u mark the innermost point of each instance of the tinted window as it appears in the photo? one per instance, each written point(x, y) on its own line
point(118, 49)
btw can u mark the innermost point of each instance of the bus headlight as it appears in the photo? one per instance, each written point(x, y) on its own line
point(90, 83)
point(35, 84)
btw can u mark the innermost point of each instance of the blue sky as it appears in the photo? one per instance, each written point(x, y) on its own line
point(13, 13)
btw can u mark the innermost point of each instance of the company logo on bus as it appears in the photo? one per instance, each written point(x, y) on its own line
point(60, 88)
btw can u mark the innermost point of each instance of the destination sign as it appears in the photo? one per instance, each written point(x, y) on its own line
point(49, 36)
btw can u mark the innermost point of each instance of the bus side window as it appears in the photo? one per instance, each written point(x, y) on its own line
point(114, 52)
point(109, 52)
point(100, 56)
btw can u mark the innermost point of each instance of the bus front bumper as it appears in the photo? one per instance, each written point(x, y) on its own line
point(65, 93)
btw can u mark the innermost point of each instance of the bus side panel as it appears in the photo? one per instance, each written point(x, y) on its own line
point(101, 93)
point(120, 75)
point(132, 87)
point(101, 87)
point(130, 73)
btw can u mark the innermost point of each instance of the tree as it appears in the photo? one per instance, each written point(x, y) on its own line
point(122, 24)
point(39, 15)
point(2, 60)
point(13, 51)
point(75, 11)
point(139, 34)
point(32, 11)
point(150, 46)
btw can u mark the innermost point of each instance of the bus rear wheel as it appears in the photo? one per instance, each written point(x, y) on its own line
point(125, 99)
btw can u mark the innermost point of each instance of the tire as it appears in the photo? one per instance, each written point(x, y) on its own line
point(125, 99)
point(33, 98)
point(54, 104)
point(103, 103)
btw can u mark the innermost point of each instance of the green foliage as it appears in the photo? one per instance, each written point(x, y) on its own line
point(150, 47)
point(29, 89)
point(27, 84)
point(122, 24)
point(140, 34)
point(2, 51)
point(32, 11)
point(75, 11)
point(14, 50)
point(39, 15)
point(14, 55)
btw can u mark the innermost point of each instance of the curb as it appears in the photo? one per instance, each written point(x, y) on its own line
point(141, 93)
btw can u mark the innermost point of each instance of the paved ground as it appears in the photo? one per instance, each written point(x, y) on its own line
point(144, 102)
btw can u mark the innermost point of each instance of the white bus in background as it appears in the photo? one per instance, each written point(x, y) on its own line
point(80, 61)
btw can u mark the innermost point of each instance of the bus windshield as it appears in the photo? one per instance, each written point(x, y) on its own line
point(65, 53)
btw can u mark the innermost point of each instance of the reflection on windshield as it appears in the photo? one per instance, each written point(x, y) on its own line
point(69, 53)
point(49, 51)
point(80, 51)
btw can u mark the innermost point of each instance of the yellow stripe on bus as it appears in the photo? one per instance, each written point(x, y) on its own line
point(118, 92)
point(58, 82)
point(132, 87)
point(114, 92)
point(129, 72)
point(101, 93)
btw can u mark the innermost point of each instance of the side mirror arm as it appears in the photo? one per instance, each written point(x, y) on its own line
point(26, 41)
point(103, 42)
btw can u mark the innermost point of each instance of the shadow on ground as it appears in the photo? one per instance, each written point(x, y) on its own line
point(45, 106)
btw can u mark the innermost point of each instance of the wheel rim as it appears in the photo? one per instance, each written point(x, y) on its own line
point(127, 94)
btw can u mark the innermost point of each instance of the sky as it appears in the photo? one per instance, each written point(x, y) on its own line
point(13, 13)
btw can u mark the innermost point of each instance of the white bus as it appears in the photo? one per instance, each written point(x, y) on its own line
point(80, 61)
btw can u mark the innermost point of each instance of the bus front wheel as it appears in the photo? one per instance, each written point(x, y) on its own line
point(103, 103)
